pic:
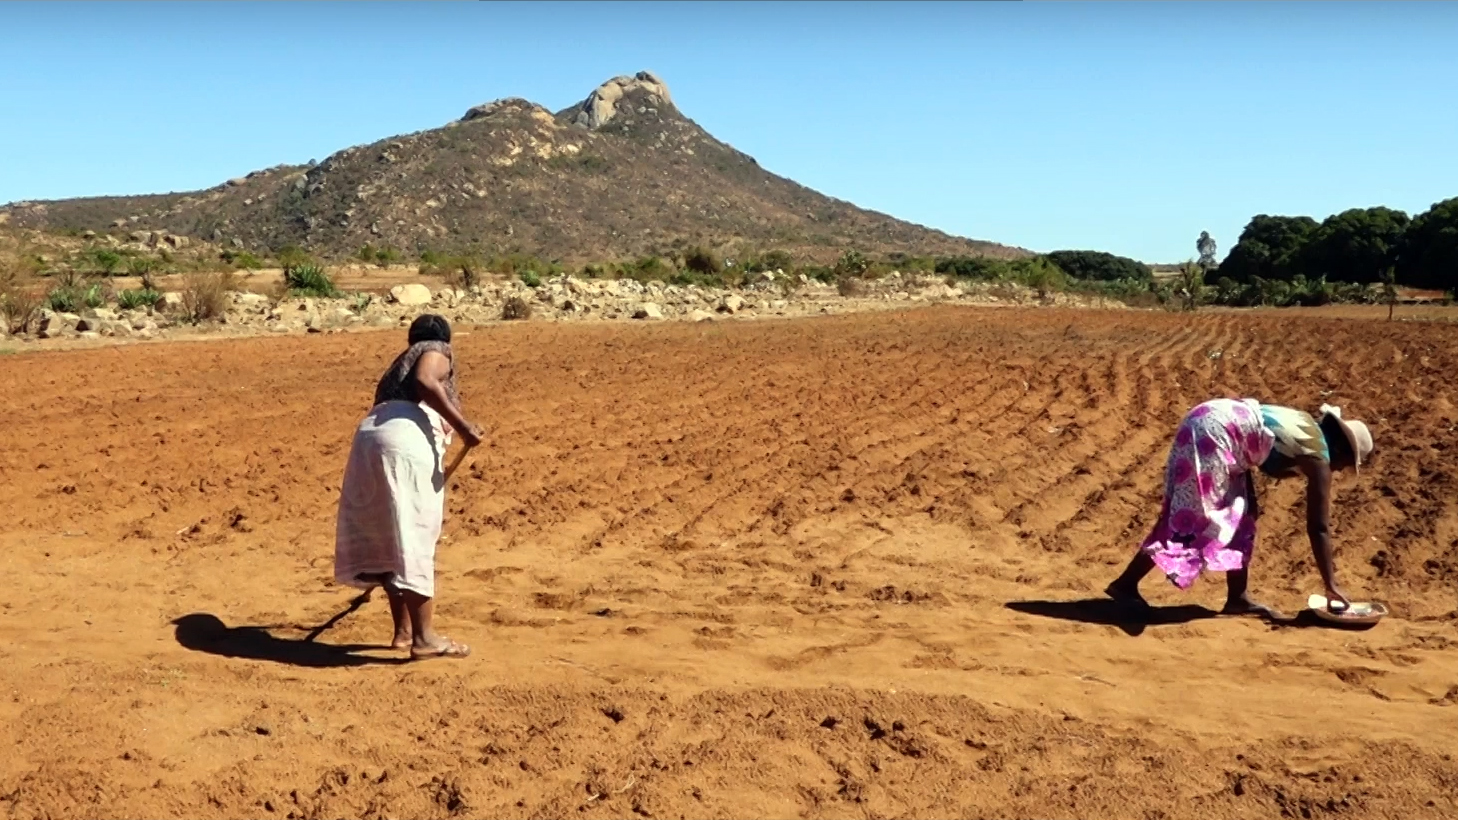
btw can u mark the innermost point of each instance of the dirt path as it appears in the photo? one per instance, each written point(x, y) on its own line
point(819, 568)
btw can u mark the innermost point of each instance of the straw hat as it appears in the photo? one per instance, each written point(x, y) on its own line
point(1358, 436)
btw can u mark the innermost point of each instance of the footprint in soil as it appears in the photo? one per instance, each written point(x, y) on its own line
point(891, 594)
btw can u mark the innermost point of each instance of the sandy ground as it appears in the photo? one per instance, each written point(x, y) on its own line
point(836, 567)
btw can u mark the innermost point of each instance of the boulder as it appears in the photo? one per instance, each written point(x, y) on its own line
point(731, 304)
point(648, 310)
point(412, 295)
point(52, 325)
point(602, 104)
point(251, 300)
point(701, 316)
point(172, 298)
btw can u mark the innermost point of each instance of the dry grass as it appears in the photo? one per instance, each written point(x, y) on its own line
point(205, 295)
point(516, 308)
point(20, 301)
point(850, 286)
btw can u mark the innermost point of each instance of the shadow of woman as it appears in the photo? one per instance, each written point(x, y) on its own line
point(1107, 612)
point(1135, 619)
point(204, 632)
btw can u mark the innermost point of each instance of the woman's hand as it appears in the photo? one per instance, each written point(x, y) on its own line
point(472, 435)
point(431, 373)
point(1335, 595)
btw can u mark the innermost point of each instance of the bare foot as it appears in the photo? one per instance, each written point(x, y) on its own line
point(401, 641)
point(1247, 607)
point(447, 648)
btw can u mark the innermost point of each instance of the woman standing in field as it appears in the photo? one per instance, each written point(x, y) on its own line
point(393, 499)
point(1208, 521)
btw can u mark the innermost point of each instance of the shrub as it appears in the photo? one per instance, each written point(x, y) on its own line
point(72, 279)
point(850, 286)
point(241, 260)
point(383, 257)
point(851, 263)
point(309, 279)
point(973, 267)
point(518, 263)
point(138, 298)
point(1191, 286)
point(103, 260)
point(646, 269)
point(359, 302)
point(702, 261)
point(291, 256)
point(19, 302)
point(1100, 266)
point(772, 260)
point(531, 279)
point(920, 264)
point(464, 271)
point(64, 300)
point(94, 296)
point(141, 266)
point(1039, 274)
point(516, 308)
point(205, 296)
point(820, 273)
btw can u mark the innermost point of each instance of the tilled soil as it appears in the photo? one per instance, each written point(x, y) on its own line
point(837, 567)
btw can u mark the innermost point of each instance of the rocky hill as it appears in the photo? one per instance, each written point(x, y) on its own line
point(620, 175)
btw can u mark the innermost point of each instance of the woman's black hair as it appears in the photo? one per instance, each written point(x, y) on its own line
point(430, 327)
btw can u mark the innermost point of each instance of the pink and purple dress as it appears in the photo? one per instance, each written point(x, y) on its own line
point(1207, 522)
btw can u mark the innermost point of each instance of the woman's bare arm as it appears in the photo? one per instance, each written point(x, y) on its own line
point(431, 372)
point(1318, 521)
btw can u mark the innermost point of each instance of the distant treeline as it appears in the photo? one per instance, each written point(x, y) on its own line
point(1360, 246)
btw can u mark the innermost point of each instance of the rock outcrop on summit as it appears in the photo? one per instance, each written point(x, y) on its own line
point(602, 104)
point(620, 175)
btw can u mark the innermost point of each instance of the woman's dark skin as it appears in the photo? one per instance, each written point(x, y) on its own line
point(413, 613)
point(1318, 475)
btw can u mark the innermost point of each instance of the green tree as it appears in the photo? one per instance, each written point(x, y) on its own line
point(1356, 245)
point(1206, 247)
point(1389, 291)
point(1099, 266)
point(1429, 257)
point(973, 267)
point(1269, 248)
point(851, 263)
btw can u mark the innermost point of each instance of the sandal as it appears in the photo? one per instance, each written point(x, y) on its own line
point(448, 649)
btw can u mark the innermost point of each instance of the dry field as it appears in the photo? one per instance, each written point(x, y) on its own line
point(837, 567)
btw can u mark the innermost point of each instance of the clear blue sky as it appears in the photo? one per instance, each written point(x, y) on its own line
point(1127, 127)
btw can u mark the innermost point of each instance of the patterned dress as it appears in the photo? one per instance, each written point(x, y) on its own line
point(1207, 521)
point(397, 383)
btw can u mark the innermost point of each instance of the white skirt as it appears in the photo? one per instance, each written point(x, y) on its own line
point(393, 499)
